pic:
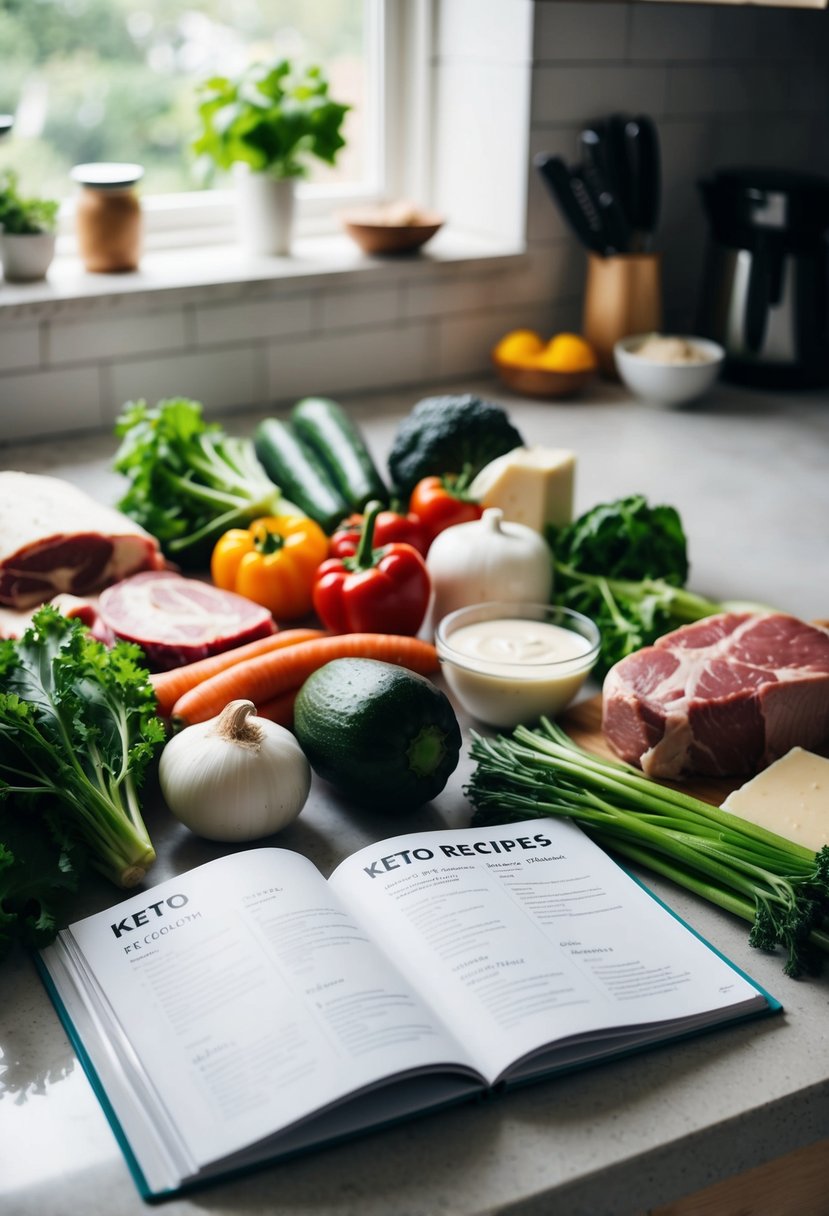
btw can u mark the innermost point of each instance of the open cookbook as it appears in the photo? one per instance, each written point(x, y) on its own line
point(250, 1009)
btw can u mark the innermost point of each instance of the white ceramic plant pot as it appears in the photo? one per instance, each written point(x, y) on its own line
point(26, 257)
point(264, 212)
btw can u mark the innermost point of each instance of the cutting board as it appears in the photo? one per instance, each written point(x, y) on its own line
point(584, 725)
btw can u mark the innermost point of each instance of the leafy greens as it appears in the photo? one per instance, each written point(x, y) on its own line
point(189, 480)
point(625, 564)
point(779, 886)
point(77, 732)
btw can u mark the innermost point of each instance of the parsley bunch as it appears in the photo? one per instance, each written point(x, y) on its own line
point(77, 732)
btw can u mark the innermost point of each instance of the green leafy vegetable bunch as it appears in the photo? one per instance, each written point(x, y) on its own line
point(625, 564)
point(781, 887)
point(274, 117)
point(23, 216)
point(77, 732)
point(189, 481)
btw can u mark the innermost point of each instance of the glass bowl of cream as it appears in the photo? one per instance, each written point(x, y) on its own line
point(507, 664)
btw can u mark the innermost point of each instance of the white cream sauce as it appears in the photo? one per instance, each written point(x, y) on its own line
point(513, 670)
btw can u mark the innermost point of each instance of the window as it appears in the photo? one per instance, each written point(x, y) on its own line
point(101, 80)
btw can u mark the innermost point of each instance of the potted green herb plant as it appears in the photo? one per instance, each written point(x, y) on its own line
point(27, 231)
point(267, 125)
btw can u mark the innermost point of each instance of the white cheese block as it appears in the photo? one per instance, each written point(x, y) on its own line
point(790, 797)
point(531, 485)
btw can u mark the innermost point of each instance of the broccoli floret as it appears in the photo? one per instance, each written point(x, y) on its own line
point(453, 434)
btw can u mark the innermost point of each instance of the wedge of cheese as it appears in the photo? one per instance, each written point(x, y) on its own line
point(790, 797)
point(532, 486)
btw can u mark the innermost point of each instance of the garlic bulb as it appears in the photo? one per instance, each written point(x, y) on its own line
point(488, 559)
point(234, 777)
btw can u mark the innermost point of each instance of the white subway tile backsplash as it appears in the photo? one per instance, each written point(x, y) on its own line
point(554, 272)
point(220, 379)
point(568, 94)
point(341, 363)
point(248, 320)
point(733, 33)
point(49, 402)
point(19, 346)
point(779, 33)
point(106, 338)
point(670, 32)
point(575, 30)
point(437, 298)
point(350, 309)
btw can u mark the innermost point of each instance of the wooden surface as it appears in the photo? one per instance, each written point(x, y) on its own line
point(794, 1185)
point(584, 725)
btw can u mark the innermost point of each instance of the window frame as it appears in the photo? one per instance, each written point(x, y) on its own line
point(398, 37)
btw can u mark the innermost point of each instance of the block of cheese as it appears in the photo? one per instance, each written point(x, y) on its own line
point(790, 797)
point(532, 486)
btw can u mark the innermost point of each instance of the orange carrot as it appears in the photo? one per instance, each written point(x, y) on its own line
point(170, 685)
point(266, 676)
point(279, 709)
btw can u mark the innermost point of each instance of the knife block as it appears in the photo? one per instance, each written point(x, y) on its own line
point(622, 297)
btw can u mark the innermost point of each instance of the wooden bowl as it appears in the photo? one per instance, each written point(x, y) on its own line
point(380, 238)
point(542, 382)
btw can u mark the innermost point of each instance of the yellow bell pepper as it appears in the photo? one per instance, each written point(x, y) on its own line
point(272, 562)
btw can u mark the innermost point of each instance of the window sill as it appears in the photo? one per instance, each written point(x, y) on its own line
point(223, 272)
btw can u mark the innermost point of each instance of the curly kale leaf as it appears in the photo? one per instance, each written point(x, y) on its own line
point(77, 732)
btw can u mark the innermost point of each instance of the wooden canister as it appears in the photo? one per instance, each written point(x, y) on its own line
point(108, 220)
point(622, 297)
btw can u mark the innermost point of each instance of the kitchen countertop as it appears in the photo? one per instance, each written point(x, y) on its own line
point(748, 474)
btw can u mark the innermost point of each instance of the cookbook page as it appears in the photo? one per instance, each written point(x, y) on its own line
point(525, 934)
point(250, 998)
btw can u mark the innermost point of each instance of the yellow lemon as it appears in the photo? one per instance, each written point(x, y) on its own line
point(566, 353)
point(520, 346)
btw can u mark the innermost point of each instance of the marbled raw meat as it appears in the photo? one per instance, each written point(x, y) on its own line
point(724, 696)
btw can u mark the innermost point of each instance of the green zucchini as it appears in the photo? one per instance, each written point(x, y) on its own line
point(299, 473)
point(324, 426)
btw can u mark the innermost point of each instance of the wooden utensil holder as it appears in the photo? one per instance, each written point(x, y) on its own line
point(622, 296)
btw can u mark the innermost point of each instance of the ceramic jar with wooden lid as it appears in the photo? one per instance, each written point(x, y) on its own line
point(108, 219)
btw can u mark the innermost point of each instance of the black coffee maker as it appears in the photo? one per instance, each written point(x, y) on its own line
point(765, 294)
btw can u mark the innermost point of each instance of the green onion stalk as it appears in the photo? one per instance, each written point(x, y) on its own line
point(780, 887)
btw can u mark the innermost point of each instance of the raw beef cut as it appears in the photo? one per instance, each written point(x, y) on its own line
point(176, 620)
point(722, 697)
point(55, 538)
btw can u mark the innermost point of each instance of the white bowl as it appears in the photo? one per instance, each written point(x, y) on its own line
point(667, 383)
point(510, 676)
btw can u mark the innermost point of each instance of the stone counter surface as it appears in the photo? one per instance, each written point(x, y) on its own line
point(748, 474)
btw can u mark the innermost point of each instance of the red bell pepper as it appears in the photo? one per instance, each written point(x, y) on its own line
point(440, 502)
point(382, 590)
point(390, 527)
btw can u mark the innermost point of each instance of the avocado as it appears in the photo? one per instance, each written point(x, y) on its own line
point(384, 737)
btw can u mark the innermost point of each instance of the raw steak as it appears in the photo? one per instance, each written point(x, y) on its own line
point(55, 538)
point(722, 697)
point(177, 620)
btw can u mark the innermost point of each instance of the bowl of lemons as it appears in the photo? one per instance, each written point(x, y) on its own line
point(561, 366)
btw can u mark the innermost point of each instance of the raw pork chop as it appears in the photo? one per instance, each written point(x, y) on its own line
point(724, 696)
point(55, 538)
point(176, 620)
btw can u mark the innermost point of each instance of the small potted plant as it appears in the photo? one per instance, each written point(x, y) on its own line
point(27, 232)
point(267, 125)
